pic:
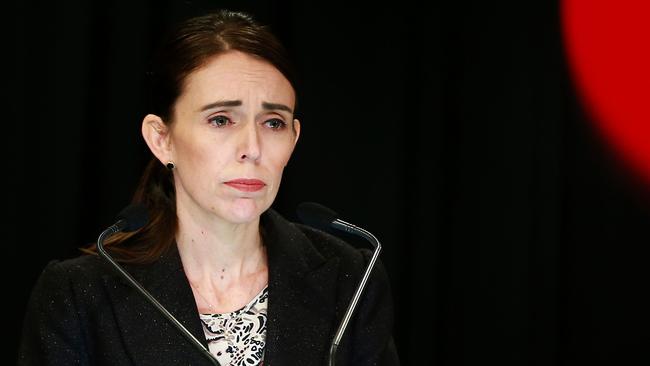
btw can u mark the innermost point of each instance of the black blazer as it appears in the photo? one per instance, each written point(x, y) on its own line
point(82, 313)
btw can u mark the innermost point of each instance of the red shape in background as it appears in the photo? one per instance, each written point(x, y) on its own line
point(608, 45)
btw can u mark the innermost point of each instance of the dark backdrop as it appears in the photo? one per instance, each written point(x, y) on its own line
point(452, 131)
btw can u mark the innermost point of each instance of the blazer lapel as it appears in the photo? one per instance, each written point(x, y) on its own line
point(149, 338)
point(302, 293)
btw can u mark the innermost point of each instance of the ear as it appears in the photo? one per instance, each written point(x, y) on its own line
point(296, 130)
point(156, 134)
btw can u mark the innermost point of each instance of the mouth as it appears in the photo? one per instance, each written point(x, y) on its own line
point(246, 185)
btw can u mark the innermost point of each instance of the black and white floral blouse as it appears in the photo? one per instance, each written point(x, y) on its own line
point(238, 338)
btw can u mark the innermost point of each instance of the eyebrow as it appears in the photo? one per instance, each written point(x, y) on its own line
point(222, 103)
point(276, 106)
point(237, 103)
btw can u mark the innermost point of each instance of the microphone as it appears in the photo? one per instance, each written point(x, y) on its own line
point(132, 218)
point(321, 217)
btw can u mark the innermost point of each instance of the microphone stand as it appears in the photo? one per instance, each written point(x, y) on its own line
point(352, 229)
point(117, 227)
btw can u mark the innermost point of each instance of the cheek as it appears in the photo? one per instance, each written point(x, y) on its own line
point(280, 156)
point(197, 154)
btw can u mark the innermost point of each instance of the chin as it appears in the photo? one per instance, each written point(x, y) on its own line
point(245, 211)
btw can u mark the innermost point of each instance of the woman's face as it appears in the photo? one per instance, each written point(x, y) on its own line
point(232, 135)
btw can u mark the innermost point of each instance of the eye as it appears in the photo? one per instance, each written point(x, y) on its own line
point(275, 124)
point(219, 121)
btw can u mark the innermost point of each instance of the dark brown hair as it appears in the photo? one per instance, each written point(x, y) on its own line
point(191, 45)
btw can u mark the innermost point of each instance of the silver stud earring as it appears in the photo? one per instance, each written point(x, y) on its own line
point(170, 165)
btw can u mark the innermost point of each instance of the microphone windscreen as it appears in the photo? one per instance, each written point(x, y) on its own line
point(134, 216)
point(316, 215)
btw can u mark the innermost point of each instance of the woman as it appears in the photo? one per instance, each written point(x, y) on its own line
point(253, 287)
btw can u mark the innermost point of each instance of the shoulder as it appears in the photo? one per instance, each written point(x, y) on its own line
point(301, 247)
point(313, 243)
point(326, 242)
point(84, 266)
point(65, 278)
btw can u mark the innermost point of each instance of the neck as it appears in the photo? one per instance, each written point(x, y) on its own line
point(217, 250)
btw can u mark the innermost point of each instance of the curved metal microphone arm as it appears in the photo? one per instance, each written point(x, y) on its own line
point(352, 229)
point(190, 337)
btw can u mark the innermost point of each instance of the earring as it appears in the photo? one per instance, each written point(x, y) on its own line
point(170, 165)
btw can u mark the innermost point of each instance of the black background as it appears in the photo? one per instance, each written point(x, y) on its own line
point(451, 131)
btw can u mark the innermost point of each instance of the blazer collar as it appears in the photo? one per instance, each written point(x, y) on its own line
point(302, 296)
point(302, 293)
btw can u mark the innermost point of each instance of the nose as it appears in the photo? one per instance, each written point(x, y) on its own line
point(249, 144)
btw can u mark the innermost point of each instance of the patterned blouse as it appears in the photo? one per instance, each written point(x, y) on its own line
point(238, 338)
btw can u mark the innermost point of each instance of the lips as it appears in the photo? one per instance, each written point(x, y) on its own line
point(246, 185)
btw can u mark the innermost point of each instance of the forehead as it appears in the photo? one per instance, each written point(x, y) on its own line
point(237, 76)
